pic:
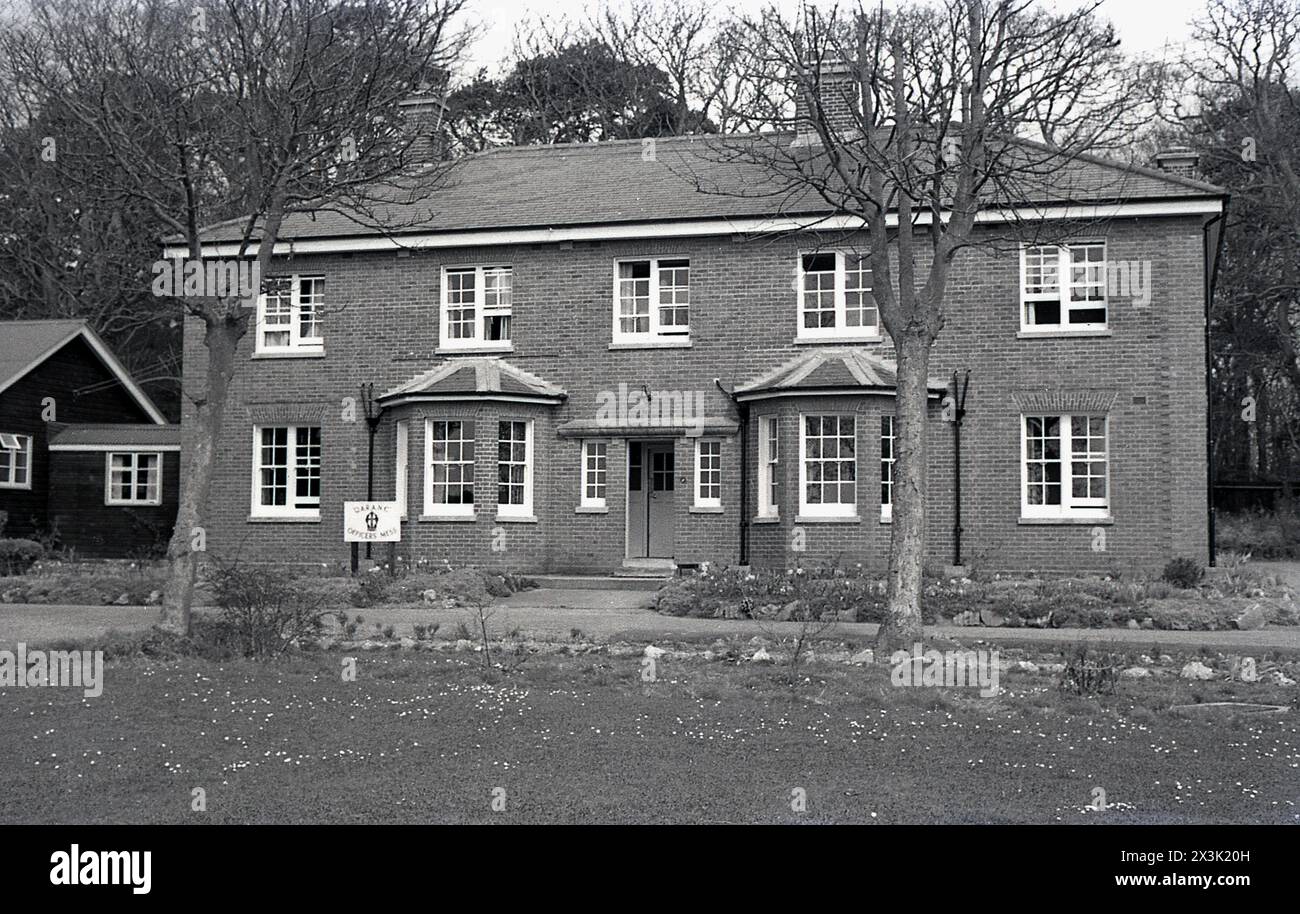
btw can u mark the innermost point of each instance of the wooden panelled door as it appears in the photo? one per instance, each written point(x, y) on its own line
point(651, 480)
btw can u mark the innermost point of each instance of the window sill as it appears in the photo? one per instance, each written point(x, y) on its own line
point(704, 509)
point(1061, 334)
point(1067, 521)
point(284, 518)
point(15, 488)
point(838, 340)
point(591, 509)
point(828, 519)
point(291, 354)
point(516, 519)
point(766, 519)
point(133, 504)
point(447, 518)
point(474, 350)
point(664, 343)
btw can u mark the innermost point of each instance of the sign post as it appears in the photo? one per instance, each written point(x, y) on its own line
point(371, 522)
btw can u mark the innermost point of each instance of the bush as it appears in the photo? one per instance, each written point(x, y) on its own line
point(263, 611)
point(17, 555)
point(372, 590)
point(1263, 534)
point(1089, 673)
point(1183, 572)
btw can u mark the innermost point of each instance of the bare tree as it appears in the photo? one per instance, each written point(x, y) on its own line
point(1235, 98)
point(248, 110)
point(931, 127)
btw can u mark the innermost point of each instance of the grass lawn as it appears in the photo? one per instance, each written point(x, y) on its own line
point(422, 737)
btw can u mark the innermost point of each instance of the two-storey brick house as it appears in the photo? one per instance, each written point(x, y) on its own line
point(587, 358)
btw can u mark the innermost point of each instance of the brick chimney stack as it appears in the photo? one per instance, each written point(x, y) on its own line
point(1178, 160)
point(422, 115)
point(837, 89)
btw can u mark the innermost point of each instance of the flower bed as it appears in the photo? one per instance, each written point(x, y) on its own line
point(1239, 597)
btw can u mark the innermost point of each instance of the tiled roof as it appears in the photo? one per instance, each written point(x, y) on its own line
point(477, 377)
point(24, 345)
point(134, 435)
point(847, 369)
point(676, 178)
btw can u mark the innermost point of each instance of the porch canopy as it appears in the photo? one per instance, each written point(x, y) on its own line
point(475, 379)
point(829, 372)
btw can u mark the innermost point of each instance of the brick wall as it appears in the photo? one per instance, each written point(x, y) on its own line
point(382, 327)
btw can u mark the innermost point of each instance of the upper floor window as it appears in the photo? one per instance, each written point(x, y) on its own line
point(652, 299)
point(828, 468)
point(289, 313)
point(449, 463)
point(133, 479)
point(15, 461)
point(1065, 466)
point(835, 299)
point(1063, 287)
point(286, 471)
point(476, 307)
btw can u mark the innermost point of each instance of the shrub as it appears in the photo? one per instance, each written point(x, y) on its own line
point(1089, 673)
point(17, 555)
point(263, 612)
point(372, 590)
point(1263, 534)
point(1183, 572)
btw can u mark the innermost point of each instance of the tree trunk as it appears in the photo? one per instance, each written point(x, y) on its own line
point(189, 539)
point(902, 625)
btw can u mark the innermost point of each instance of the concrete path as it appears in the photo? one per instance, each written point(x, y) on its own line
point(625, 615)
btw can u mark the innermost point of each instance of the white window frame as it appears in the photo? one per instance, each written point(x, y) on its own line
point(525, 509)
point(595, 474)
point(887, 467)
point(656, 330)
point(401, 467)
point(304, 511)
point(702, 473)
point(298, 344)
point(838, 509)
point(1063, 291)
point(1070, 506)
point(841, 330)
point(769, 459)
point(481, 309)
point(12, 445)
point(132, 470)
point(449, 510)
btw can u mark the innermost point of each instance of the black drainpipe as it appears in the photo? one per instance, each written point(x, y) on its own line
point(959, 403)
point(1211, 279)
point(374, 412)
point(743, 410)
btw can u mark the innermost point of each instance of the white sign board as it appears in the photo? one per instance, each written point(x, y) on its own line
point(372, 522)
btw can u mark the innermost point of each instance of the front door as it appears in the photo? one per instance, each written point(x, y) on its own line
point(651, 476)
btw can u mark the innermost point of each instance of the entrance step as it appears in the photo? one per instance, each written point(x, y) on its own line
point(600, 581)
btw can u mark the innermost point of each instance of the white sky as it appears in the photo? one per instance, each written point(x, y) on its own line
point(1144, 26)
